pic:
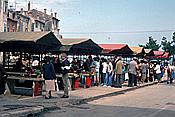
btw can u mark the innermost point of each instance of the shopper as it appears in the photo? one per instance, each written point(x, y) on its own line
point(158, 72)
point(65, 66)
point(49, 76)
point(132, 70)
point(119, 66)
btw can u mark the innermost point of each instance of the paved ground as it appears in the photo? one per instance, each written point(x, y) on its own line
point(154, 101)
point(20, 105)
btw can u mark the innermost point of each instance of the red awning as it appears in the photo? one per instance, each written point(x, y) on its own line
point(160, 54)
point(110, 47)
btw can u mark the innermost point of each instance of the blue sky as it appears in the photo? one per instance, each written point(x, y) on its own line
point(118, 19)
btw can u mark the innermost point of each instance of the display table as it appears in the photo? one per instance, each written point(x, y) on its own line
point(74, 81)
point(24, 86)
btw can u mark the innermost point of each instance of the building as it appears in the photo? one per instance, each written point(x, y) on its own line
point(33, 20)
point(41, 21)
point(11, 21)
point(3, 15)
point(23, 24)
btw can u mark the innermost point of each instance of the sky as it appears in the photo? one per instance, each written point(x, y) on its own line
point(111, 21)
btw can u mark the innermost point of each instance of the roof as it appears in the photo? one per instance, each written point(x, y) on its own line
point(42, 15)
point(136, 49)
point(21, 36)
point(111, 47)
point(161, 54)
point(117, 49)
point(72, 41)
point(156, 53)
point(80, 46)
point(29, 41)
point(147, 50)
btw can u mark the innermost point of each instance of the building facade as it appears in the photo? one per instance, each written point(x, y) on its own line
point(3, 15)
point(11, 21)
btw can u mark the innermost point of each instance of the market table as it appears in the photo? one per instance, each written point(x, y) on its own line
point(18, 84)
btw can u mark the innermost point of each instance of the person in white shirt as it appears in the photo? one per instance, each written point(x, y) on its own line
point(110, 73)
point(158, 72)
point(104, 71)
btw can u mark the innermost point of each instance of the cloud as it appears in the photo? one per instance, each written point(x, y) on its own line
point(49, 4)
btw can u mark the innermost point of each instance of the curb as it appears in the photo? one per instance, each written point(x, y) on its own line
point(84, 101)
point(23, 112)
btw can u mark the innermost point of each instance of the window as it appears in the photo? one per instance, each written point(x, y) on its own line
point(32, 27)
point(36, 25)
point(5, 6)
point(5, 30)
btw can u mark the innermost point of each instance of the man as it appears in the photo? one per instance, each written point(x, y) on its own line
point(118, 68)
point(132, 70)
point(65, 66)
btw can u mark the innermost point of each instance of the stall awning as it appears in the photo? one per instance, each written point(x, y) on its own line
point(139, 51)
point(79, 46)
point(29, 41)
point(117, 49)
point(160, 54)
point(149, 52)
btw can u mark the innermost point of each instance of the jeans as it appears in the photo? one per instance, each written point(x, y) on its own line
point(119, 79)
point(104, 78)
point(109, 80)
point(132, 79)
point(170, 78)
point(92, 80)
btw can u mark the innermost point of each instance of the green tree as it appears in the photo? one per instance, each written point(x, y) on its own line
point(152, 44)
point(173, 44)
point(166, 45)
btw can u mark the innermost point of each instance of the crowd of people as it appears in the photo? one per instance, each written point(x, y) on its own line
point(111, 72)
point(114, 72)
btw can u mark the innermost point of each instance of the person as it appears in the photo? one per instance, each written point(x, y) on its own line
point(110, 73)
point(169, 73)
point(158, 72)
point(143, 69)
point(132, 72)
point(104, 71)
point(65, 66)
point(49, 76)
point(119, 66)
point(97, 68)
point(2, 80)
point(151, 72)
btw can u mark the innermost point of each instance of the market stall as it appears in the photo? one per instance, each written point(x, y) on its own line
point(22, 56)
point(80, 46)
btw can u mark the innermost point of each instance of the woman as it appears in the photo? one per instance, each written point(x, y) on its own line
point(49, 76)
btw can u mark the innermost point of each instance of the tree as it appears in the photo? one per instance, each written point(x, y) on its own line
point(173, 38)
point(173, 44)
point(152, 44)
point(166, 45)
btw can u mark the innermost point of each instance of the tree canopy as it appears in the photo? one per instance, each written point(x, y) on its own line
point(152, 44)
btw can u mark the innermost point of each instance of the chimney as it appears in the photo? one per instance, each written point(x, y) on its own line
point(55, 14)
point(29, 6)
point(45, 11)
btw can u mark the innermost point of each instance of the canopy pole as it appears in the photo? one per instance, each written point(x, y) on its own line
point(4, 58)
